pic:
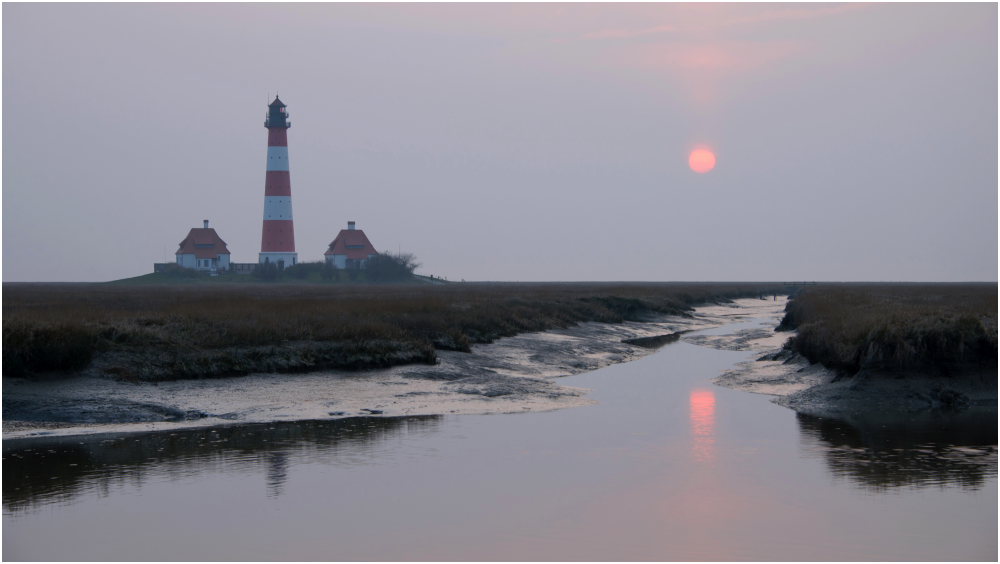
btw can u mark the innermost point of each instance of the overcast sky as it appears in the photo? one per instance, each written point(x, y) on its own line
point(510, 142)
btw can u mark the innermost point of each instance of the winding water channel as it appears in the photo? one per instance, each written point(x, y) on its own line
point(665, 467)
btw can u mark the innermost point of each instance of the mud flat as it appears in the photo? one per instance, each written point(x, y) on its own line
point(512, 375)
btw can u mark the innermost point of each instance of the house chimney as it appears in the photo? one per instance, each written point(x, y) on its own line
point(350, 225)
point(206, 224)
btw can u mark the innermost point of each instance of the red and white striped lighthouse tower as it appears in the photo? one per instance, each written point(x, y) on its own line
point(277, 241)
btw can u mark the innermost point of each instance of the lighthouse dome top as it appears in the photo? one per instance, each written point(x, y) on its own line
point(277, 115)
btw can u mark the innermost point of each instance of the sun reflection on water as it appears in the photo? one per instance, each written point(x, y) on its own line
point(703, 424)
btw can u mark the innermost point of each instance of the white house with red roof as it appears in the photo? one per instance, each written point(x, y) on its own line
point(203, 249)
point(351, 249)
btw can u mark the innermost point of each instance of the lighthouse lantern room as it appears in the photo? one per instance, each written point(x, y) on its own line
point(277, 242)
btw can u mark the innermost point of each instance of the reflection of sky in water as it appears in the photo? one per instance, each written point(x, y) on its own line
point(702, 403)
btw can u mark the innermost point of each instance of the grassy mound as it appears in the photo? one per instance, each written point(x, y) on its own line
point(940, 329)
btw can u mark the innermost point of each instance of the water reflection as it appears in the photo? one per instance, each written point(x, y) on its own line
point(277, 466)
point(879, 451)
point(60, 469)
point(702, 403)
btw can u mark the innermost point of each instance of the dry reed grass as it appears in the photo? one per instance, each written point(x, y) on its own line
point(50, 327)
point(938, 329)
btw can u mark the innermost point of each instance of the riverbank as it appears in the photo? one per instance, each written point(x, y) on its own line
point(938, 377)
point(816, 390)
point(164, 333)
point(512, 375)
point(906, 330)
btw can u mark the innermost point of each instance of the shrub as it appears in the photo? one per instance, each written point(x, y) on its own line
point(302, 270)
point(388, 267)
point(329, 271)
point(266, 271)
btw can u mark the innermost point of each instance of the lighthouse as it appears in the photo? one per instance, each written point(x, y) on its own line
point(277, 241)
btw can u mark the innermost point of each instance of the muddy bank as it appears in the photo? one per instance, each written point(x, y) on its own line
point(160, 333)
point(512, 375)
point(811, 388)
point(947, 330)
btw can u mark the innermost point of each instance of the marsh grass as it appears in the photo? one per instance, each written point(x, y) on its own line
point(212, 330)
point(939, 329)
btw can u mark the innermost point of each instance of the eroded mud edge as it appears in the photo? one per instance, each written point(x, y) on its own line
point(513, 375)
point(814, 390)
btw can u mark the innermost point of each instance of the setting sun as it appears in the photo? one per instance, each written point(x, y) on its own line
point(701, 160)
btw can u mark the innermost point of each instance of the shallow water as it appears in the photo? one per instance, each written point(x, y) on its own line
point(665, 467)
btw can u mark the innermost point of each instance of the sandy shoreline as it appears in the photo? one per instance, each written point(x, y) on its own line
point(512, 375)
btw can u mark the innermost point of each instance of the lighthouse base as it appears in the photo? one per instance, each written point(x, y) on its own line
point(283, 260)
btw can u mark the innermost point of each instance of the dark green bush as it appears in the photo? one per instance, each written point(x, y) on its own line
point(267, 271)
point(302, 270)
point(388, 267)
point(329, 272)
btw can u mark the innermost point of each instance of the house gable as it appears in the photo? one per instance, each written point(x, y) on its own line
point(353, 243)
point(203, 243)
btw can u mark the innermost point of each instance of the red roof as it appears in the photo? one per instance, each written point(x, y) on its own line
point(352, 238)
point(203, 244)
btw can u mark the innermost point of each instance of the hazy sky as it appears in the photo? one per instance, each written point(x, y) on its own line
point(510, 142)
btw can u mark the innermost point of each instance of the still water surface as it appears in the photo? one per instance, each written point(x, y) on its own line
point(665, 467)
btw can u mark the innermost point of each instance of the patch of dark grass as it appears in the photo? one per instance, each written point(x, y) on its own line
point(31, 347)
point(939, 329)
point(211, 330)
